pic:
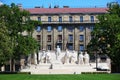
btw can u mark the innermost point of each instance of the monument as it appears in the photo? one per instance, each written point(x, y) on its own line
point(61, 62)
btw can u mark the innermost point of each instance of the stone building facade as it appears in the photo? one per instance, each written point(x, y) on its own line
point(65, 27)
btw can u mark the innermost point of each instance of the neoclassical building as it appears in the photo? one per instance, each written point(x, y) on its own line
point(65, 27)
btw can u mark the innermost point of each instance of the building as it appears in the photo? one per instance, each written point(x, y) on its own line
point(65, 27)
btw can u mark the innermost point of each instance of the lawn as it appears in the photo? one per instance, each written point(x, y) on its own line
point(61, 77)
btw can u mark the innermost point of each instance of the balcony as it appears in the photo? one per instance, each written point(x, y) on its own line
point(59, 41)
point(69, 22)
point(70, 41)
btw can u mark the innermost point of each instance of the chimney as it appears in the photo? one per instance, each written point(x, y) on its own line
point(19, 5)
point(65, 6)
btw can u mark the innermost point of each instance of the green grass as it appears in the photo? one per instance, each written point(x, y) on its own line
point(60, 77)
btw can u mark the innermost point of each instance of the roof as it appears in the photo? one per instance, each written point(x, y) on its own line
point(66, 10)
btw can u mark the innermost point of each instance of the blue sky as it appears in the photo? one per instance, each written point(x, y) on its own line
point(71, 3)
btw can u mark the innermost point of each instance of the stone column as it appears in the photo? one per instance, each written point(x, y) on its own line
point(65, 38)
point(44, 42)
point(54, 37)
point(76, 39)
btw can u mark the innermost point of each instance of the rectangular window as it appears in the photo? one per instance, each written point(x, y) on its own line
point(70, 19)
point(81, 48)
point(49, 28)
point(49, 19)
point(60, 38)
point(81, 38)
point(59, 28)
point(39, 38)
point(70, 46)
point(70, 38)
point(60, 19)
point(81, 28)
point(92, 18)
point(91, 28)
point(38, 28)
point(70, 29)
point(81, 18)
point(49, 47)
point(49, 38)
point(39, 18)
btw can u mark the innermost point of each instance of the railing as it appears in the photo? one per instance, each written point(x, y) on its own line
point(70, 22)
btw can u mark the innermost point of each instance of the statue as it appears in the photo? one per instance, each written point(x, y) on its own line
point(86, 57)
point(58, 51)
point(42, 57)
point(81, 58)
point(72, 57)
point(66, 56)
point(48, 57)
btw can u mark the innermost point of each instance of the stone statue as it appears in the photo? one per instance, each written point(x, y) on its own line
point(48, 57)
point(72, 57)
point(86, 58)
point(66, 56)
point(81, 58)
point(42, 57)
point(58, 51)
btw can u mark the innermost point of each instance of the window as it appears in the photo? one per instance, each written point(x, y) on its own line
point(70, 19)
point(81, 48)
point(81, 18)
point(91, 28)
point(49, 47)
point(59, 28)
point(92, 18)
point(70, 38)
point(49, 19)
point(59, 38)
point(49, 28)
point(49, 38)
point(70, 29)
point(39, 38)
point(39, 18)
point(60, 19)
point(38, 28)
point(81, 38)
point(70, 46)
point(81, 28)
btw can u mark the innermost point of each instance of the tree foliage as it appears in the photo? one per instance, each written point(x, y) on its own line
point(12, 40)
point(106, 34)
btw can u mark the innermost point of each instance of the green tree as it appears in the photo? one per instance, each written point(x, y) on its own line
point(106, 35)
point(5, 45)
point(17, 21)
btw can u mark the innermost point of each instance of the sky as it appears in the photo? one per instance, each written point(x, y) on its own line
point(61, 3)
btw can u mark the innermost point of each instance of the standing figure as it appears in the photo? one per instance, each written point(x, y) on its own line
point(81, 58)
point(58, 51)
point(86, 57)
point(66, 56)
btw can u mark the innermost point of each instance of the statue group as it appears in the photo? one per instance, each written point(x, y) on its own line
point(66, 57)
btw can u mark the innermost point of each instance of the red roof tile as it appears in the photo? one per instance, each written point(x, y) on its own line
point(66, 10)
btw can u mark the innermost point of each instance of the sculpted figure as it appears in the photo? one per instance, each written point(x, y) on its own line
point(58, 51)
point(81, 58)
point(86, 57)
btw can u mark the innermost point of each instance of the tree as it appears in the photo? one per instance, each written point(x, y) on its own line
point(5, 45)
point(17, 21)
point(107, 34)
